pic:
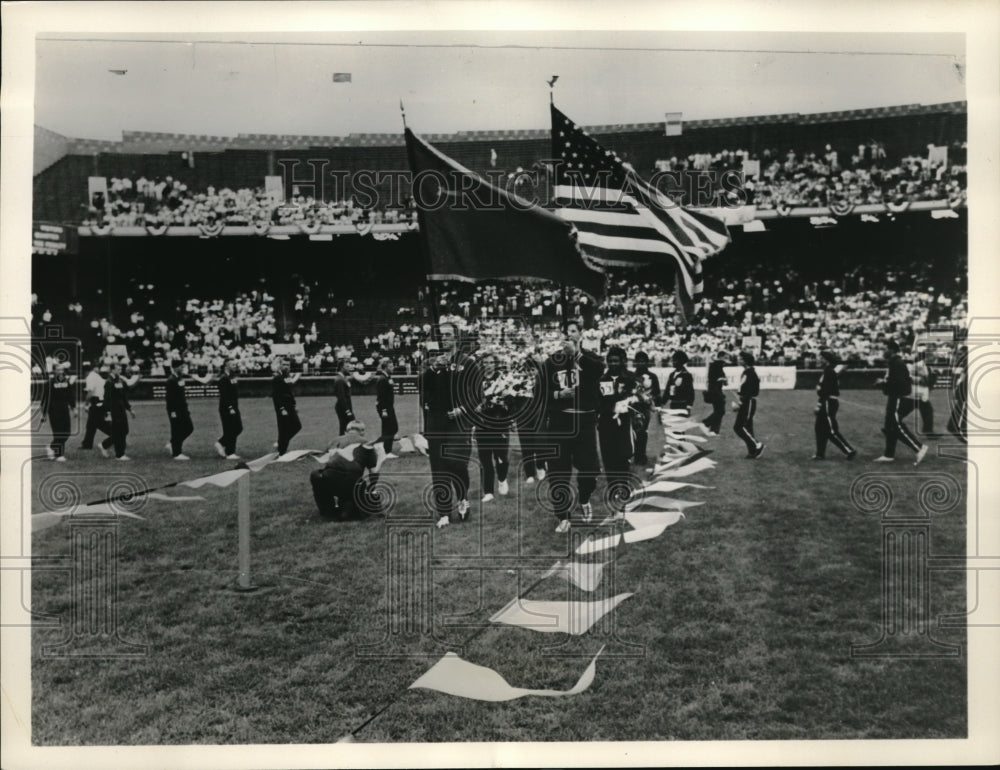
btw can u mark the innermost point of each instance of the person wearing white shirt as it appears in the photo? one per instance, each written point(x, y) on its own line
point(93, 386)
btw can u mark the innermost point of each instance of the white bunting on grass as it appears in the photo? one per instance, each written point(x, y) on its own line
point(175, 499)
point(455, 676)
point(640, 519)
point(596, 546)
point(684, 437)
point(553, 617)
point(665, 486)
point(644, 533)
point(295, 454)
point(660, 502)
point(223, 479)
point(585, 575)
point(262, 462)
point(697, 466)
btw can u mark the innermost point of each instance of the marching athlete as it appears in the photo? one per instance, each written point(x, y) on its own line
point(284, 405)
point(572, 387)
point(446, 404)
point(680, 384)
point(650, 384)
point(614, 425)
point(747, 407)
point(828, 395)
point(385, 404)
point(60, 402)
point(177, 410)
point(715, 393)
point(492, 429)
point(118, 406)
point(897, 386)
point(97, 413)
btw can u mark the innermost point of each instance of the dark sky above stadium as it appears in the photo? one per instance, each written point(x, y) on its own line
point(225, 83)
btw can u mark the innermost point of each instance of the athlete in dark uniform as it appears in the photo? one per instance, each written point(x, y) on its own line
point(97, 414)
point(385, 403)
point(828, 395)
point(177, 410)
point(447, 395)
point(284, 405)
point(715, 393)
point(649, 383)
point(897, 386)
point(530, 417)
point(229, 412)
point(680, 384)
point(614, 425)
point(572, 387)
point(59, 401)
point(957, 420)
point(492, 422)
point(119, 408)
point(748, 392)
point(342, 390)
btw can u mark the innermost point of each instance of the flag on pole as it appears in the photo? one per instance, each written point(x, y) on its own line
point(622, 220)
point(472, 230)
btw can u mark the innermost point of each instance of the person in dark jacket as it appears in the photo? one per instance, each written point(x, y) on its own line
point(747, 407)
point(650, 384)
point(59, 403)
point(827, 406)
point(385, 404)
point(342, 390)
point(177, 410)
point(572, 384)
point(897, 386)
point(284, 405)
point(492, 422)
point(680, 384)
point(614, 424)
point(229, 412)
point(530, 418)
point(715, 393)
point(341, 489)
point(447, 397)
point(119, 409)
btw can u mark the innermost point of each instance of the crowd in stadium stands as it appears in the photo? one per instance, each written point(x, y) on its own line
point(824, 178)
point(791, 179)
point(795, 320)
point(154, 203)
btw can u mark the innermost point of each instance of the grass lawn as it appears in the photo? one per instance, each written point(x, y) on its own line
point(740, 627)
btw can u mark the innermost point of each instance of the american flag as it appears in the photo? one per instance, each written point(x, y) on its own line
point(621, 220)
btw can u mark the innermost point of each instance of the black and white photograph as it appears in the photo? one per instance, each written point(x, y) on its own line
point(392, 384)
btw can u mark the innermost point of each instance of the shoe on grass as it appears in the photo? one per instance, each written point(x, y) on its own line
point(921, 455)
point(463, 510)
point(182, 457)
point(562, 527)
point(488, 497)
point(444, 521)
point(884, 459)
point(540, 474)
point(233, 456)
point(219, 449)
point(503, 487)
point(123, 459)
point(529, 481)
point(61, 459)
point(852, 454)
point(104, 452)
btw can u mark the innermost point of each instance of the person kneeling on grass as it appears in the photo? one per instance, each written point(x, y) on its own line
point(342, 490)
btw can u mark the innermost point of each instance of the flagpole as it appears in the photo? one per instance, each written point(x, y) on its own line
point(432, 292)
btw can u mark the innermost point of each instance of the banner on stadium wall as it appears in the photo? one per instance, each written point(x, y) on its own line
point(287, 349)
point(771, 377)
point(274, 188)
point(97, 191)
point(53, 239)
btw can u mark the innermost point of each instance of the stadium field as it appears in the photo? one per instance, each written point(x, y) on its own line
point(740, 626)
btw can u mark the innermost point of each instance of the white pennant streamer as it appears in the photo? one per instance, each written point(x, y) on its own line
point(262, 462)
point(644, 533)
point(551, 617)
point(223, 479)
point(584, 575)
point(455, 676)
point(295, 454)
point(666, 486)
point(596, 546)
point(697, 466)
point(684, 437)
point(660, 502)
point(47, 519)
point(176, 499)
point(641, 519)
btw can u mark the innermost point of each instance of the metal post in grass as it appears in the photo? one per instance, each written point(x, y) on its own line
point(244, 581)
